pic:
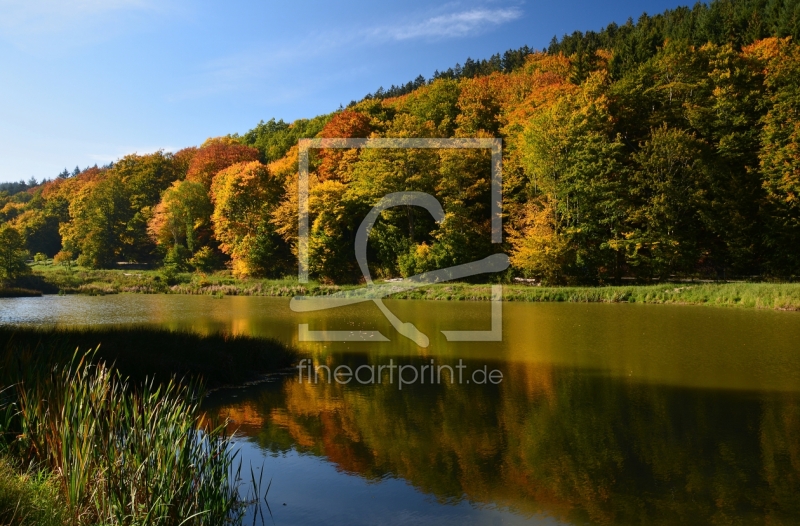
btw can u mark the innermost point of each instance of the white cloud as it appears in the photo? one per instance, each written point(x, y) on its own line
point(450, 25)
point(250, 69)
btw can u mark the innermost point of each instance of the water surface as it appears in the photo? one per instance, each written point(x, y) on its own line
point(607, 414)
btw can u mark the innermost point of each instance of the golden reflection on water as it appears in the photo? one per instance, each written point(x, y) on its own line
point(681, 345)
point(549, 440)
point(607, 414)
point(703, 347)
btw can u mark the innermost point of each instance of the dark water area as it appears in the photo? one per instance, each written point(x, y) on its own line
point(606, 414)
point(558, 442)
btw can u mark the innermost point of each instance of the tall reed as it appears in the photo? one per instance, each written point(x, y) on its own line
point(125, 456)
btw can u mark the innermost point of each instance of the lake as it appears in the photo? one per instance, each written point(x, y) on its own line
point(605, 414)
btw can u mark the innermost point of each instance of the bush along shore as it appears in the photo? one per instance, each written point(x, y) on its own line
point(86, 439)
point(781, 296)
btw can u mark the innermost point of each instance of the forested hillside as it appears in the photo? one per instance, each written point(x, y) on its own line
point(665, 147)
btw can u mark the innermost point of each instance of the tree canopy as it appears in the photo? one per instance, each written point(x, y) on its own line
point(665, 147)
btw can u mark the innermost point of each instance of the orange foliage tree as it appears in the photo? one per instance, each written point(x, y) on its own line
point(216, 155)
point(182, 160)
point(347, 124)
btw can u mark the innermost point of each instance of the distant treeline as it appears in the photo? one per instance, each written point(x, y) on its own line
point(665, 148)
point(13, 188)
point(510, 60)
point(736, 22)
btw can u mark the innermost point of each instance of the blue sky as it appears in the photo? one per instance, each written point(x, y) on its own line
point(87, 81)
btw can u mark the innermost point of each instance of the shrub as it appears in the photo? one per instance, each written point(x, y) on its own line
point(205, 260)
point(63, 258)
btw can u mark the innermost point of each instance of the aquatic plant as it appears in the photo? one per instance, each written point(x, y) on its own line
point(124, 455)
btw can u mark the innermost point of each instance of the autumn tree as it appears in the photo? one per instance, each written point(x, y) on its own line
point(478, 108)
point(64, 259)
point(243, 196)
point(215, 155)
point(39, 222)
point(274, 139)
point(182, 160)
point(780, 154)
point(538, 250)
point(573, 166)
point(346, 124)
point(99, 214)
point(379, 172)
point(142, 180)
point(670, 185)
point(12, 254)
point(437, 104)
point(184, 210)
point(332, 232)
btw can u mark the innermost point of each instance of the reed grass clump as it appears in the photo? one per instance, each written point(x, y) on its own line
point(125, 444)
point(119, 455)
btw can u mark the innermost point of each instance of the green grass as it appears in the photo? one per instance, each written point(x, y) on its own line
point(30, 497)
point(784, 296)
point(141, 352)
point(53, 279)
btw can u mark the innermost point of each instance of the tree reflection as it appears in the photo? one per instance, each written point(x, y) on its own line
point(575, 445)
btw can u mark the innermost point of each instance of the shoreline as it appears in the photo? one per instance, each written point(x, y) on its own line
point(772, 296)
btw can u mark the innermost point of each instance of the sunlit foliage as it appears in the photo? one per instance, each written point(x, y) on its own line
point(662, 148)
point(243, 196)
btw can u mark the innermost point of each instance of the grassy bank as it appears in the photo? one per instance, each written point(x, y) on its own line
point(56, 280)
point(84, 442)
point(784, 296)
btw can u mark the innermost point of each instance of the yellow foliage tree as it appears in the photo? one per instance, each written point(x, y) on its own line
point(244, 196)
point(537, 248)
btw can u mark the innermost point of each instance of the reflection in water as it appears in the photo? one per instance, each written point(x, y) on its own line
point(607, 414)
point(677, 345)
point(583, 448)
